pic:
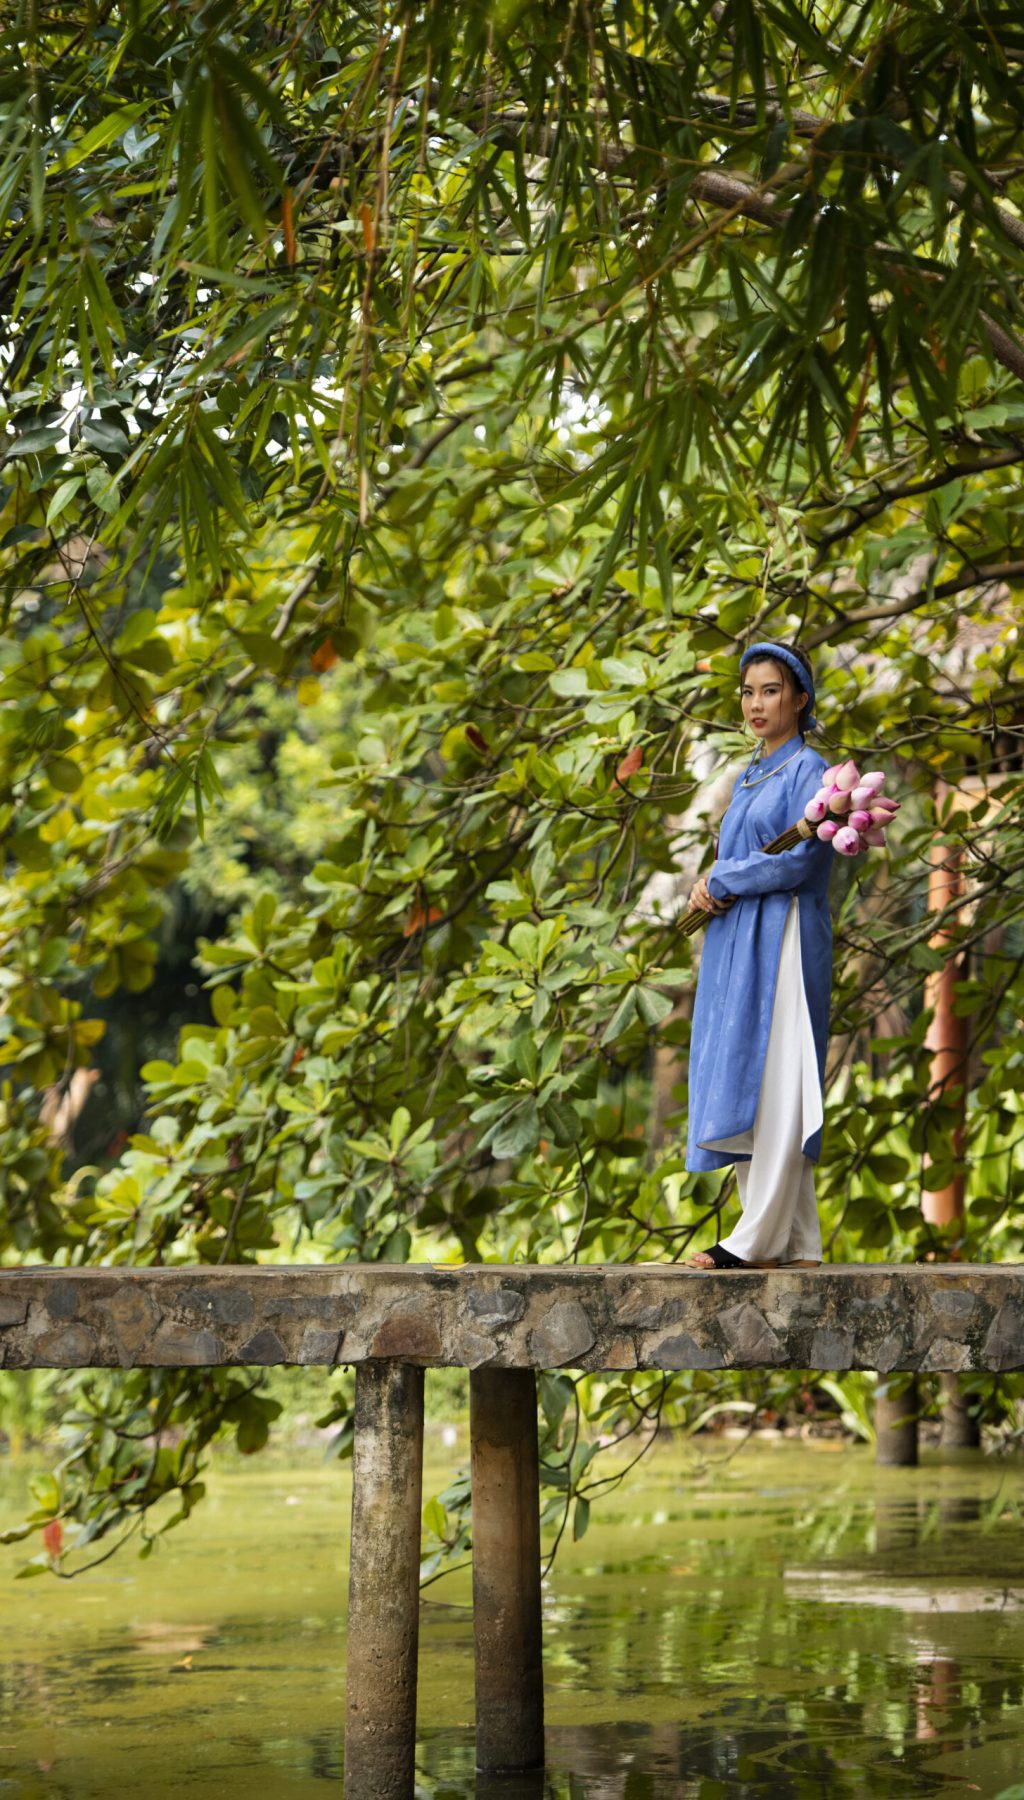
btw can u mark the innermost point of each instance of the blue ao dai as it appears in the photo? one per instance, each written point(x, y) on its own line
point(741, 948)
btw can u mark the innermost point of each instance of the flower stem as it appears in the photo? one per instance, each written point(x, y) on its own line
point(786, 840)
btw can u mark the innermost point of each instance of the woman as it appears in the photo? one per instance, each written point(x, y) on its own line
point(760, 1020)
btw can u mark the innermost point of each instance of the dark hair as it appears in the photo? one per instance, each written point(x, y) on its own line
point(802, 657)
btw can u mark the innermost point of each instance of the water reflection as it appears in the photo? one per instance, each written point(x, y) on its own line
point(959, 1509)
point(845, 1587)
point(535, 1786)
point(784, 1627)
point(939, 1693)
point(895, 1524)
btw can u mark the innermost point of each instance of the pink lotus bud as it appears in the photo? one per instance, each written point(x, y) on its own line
point(830, 775)
point(863, 795)
point(846, 777)
point(859, 819)
point(887, 805)
point(815, 810)
point(827, 830)
point(875, 835)
point(846, 841)
point(839, 803)
point(881, 815)
point(875, 778)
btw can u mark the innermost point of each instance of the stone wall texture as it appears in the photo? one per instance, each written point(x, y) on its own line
point(926, 1317)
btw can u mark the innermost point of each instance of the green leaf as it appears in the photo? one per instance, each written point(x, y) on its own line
point(252, 1432)
point(435, 1518)
point(369, 1147)
point(623, 1016)
point(138, 628)
point(35, 439)
point(62, 498)
point(45, 1492)
point(265, 651)
point(397, 1247)
point(114, 125)
point(652, 1006)
point(518, 1130)
point(102, 489)
point(562, 1120)
point(16, 1534)
point(556, 1395)
point(624, 671)
point(63, 774)
point(569, 683)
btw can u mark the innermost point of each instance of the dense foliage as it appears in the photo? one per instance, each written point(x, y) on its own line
point(408, 413)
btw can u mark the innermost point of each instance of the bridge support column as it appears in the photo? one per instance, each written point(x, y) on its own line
point(896, 1407)
point(960, 1428)
point(383, 1592)
point(506, 1570)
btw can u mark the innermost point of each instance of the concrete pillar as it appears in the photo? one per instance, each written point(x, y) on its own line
point(960, 1429)
point(896, 1422)
point(383, 1589)
point(506, 1570)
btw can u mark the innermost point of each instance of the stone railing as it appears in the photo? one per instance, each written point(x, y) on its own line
point(503, 1324)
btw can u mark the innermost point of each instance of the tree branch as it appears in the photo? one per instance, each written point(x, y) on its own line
point(740, 198)
point(867, 510)
point(987, 576)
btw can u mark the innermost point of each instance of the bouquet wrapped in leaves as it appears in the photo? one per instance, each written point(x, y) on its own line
point(850, 811)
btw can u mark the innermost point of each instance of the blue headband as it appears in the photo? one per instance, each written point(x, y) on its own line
point(779, 653)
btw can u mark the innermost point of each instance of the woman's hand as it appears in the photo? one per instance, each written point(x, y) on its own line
point(702, 899)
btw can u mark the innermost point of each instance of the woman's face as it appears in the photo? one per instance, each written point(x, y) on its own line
point(771, 707)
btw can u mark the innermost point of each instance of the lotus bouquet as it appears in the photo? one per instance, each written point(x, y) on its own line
point(849, 811)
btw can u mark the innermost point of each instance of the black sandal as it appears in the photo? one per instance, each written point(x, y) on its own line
point(721, 1258)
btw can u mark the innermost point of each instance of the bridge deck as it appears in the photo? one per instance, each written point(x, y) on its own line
point(613, 1316)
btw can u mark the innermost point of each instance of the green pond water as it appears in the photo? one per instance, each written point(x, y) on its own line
point(785, 1621)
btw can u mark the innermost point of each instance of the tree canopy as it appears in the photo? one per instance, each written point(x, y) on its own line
point(408, 413)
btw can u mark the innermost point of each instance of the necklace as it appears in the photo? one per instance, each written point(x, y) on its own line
point(777, 771)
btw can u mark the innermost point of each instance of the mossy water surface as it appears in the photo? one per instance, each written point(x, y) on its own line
point(785, 1621)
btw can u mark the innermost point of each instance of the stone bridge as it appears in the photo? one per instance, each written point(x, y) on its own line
point(503, 1324)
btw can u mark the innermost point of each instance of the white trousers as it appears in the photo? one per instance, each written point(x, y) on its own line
point(776, 1187)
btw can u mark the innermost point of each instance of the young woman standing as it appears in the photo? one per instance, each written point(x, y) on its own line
point(760, 1020)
